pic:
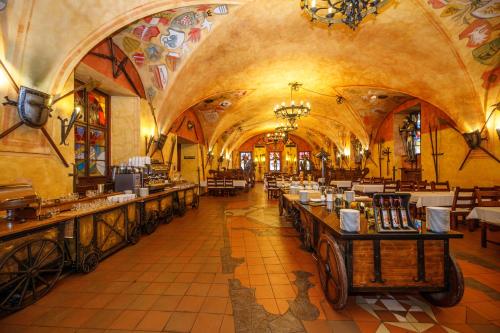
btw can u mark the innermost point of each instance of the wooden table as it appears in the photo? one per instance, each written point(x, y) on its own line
point(368, 261)
point(487, 215)
point(342, 183)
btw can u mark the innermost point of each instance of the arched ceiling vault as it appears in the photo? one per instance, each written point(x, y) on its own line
point(414, 48)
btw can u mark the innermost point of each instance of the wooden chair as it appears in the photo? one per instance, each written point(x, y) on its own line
point(440, 186)
point(219, 186)
point(487, 199)
point(272, 188)
point(422, 186)
point(211, 186)
point(229, 187)
point(390, 186)
point(406, 186)
point(463, 202)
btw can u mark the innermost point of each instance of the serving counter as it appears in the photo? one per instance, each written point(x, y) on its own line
point(371, 261)
point(35, 253)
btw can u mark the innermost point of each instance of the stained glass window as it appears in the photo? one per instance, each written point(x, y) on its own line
point(244, 157)
point(302, 157)
point(275, 161)
point(91, 134)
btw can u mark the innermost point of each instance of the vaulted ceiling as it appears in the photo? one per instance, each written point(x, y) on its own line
point(232, 61)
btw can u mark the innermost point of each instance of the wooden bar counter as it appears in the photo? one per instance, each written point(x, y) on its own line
point(371, 261)
point(35, 253)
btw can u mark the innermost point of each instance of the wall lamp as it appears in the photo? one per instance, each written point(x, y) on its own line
point(498, 133)
point(473, 139)
point(66, 128)
point(149, 139)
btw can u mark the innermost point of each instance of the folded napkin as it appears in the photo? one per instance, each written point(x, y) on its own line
point(349, 220)
point(363, 198)
point(438, 219)
point(349, 196)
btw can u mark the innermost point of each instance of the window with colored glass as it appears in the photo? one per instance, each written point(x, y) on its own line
point(92, 134)
point(275, 161)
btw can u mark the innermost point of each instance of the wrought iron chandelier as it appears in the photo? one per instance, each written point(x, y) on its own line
point(287, 128)
point(349, 12)
point(275, 137)
point(291, 113)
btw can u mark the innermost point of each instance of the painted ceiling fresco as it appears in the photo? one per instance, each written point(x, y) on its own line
point(372, 104)
point(476, 24)
point(160, 44)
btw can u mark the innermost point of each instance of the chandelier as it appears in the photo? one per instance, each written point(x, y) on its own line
point(275, 137)
point(291, 113)
point(286, 128)
point(349, 12)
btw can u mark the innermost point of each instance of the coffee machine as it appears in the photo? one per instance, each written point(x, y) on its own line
point(128, 182)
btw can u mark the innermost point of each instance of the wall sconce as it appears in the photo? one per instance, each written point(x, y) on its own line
point(66, 128)
point(498, 133)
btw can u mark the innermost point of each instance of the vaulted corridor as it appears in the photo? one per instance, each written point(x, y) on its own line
point(235, 265)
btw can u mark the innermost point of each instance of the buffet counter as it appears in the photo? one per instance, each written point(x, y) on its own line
point(77, 240)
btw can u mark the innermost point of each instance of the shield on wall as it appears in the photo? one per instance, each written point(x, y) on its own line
point(33, 107)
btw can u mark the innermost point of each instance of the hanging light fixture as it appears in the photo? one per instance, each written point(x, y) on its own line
point(291, 113)
point(349, 12)
point(274, 138)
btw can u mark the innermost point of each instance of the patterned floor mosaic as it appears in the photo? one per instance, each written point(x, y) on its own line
point(234, 265)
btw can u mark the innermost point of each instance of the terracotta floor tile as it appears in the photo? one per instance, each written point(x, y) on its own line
point(121, 301)
point(136, 288)
point(274, 268)
point(207, 322)
point(185, 277)
point(198, 289)
point(218, 290)
point(368, 326)
point(177, 289)
point(77, 317)
point(166, 303)
point(283, 305)
point(489, 310)
point(102, 319)
point(52, 317)
point(283, 291)
point(214, 305)
point(99, 301)
point(143, 302)
point(278, 278)
point(127, 320)
point(257, 269)
point(264, 292)
point(180, 322)
point(166, 277)
point(204, 278)
point(154, 321)
point(190, 304)
point(227, 325)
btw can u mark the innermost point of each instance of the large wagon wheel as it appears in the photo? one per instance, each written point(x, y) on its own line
point(332, 272)
point(455, 291)
point(28, 272)
point(151, 222)
point(89, 262)
point(135, 235)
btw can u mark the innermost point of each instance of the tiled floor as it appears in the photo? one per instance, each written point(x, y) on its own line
point(234, 265)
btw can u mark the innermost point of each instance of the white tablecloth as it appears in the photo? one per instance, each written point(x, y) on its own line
point(342, 183)
point(488, 214)
point(432, 199)
point(368, 188)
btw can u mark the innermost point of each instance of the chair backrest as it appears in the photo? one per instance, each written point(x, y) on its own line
point(271, 182)
point(440, 186)
point(210, 182)
point(219, 182)
point(488, 198)
point(464, 198)
point(406, 185)
point(228, 183)
point(390, 186)
point(377, 180)
point(422, 186)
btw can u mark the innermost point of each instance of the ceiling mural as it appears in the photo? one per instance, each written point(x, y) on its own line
point(373, 104)
point(477, 23)
point(160, 44)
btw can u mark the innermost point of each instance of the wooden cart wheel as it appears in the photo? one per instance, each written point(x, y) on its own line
point(332, 272)
point(151, 223)
point(455, 291)
point(181, 209)
point(28, 272)
point(135, 235)
point(90, 262)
